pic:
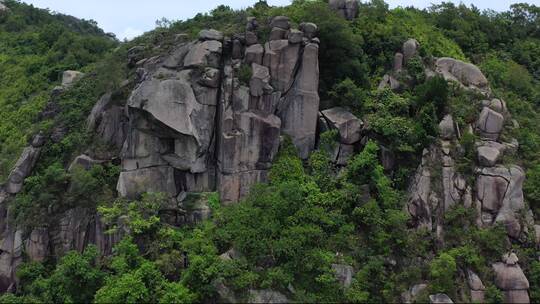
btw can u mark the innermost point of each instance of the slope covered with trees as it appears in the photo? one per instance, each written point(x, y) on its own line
point(312, 219)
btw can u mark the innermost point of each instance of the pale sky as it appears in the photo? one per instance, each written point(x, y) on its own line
point(130, 18)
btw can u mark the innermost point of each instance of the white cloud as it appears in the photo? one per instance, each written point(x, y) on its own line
point(130, 33)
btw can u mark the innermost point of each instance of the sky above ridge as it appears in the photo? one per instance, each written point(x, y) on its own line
point(131, 18)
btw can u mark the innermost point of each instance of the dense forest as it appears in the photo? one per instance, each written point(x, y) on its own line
point(311, 218)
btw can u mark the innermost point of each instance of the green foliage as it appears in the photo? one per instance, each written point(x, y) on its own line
point(244, 74)
point(347, 94)
point(532, 187)
point(37, 46)
point(494, 295)
point(442, 272)
point(141, 217)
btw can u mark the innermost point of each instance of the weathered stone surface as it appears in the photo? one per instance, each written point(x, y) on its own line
point(414, 291)
point(446, 128)
point(266, 296)
point(474, 281)
point(310, 29)
point(210, 34)
point(37, 245)
point(281, 22)
point(345, 153)
point(490, 123)
point(398, 62)
point(278, 34)
point(254, 54)
point(488, 156)
point(440, 298)
point(251, 24)
point(3, 7)
point(300, 106)
point(537, 233)
point(83, 161)
point(251, 38)
point(418, 205)
point(497, 105)
point(177, 56)
point(344, 274)
point(410, 49)
point(231, 254)
point(347, 9)
point(204, 54)
point(282, 59)
point(348, 125)
point(23, 168)
point(500, 191)
point(70, 77)
point(389, 82)
point(295, 36)
point(467, 74)
point(510, 278)
point(388, 158)
point(260, 81)
point(132, 184)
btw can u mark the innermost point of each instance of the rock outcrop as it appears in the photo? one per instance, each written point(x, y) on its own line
point(466, 74)
point(347, 9)
point(511, 280)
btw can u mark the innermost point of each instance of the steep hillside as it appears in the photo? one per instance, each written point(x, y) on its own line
point(326, 151)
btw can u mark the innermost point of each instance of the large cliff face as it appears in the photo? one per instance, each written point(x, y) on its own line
point(207, 116)
point(195, 126)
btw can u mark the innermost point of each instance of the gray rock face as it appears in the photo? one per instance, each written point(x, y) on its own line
point(348, 125)
point(83, 161)
point(389, 82)
point(410, 49)
point(309, 29)
point(281, 22)
point(344, 274)
point(254, 54)
point(70, 77)
point(490, 124)
point(499, 194)
point(440, 298)
point(23, 168)
point(510, 278)
point(489, 153)
point(347, 9)
point(446, 128)
point(414, 291)
point(300, 106)
point(467, 74)
point(266, 296)
point(398, 62)
point(210, 34)
point(132, 184)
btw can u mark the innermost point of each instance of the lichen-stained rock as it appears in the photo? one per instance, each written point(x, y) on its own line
point(23, 168)
point(282, 59)
point(510, 278)
point(499, 191)
point(347, 9)
point(300, 106)
point(348, 125)
point(389, 82)
point(398, 62)
point(476, 287)
point(414, 291)
point(490, 124)
point(278, 34)
point(233, 187)
point(131, 184)
point(108, 121)
point(83, 161)
point(266, 296)
point(467, 74)
point(295, 36)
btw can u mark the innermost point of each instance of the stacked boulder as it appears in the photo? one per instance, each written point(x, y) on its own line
point(498, 196)
point(280, 98)
point(511, 280)
point(349, 128)
point(409, 50)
